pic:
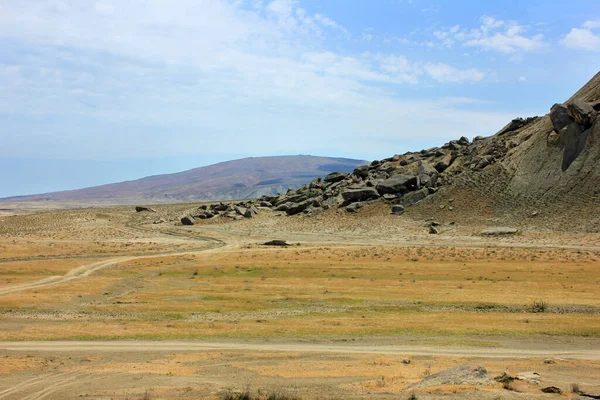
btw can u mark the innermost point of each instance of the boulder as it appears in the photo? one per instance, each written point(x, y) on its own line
point(444, 163)
point(582, 112)
point(142, 208)
point(362, 194)
point(499, 231)
point(362, 171)
point(463, 141)
point(552, 389)
point(511, 126)
point(276, 242)
point(415, 197)
point(219, 207)
point(427, 174)
point(335, 177)
point(464, 374)
point(559, 114)
point(187, 220)
point(400, 183)
point(296, 208)
point(354, 207)
point(282, 207)
point(433, 230)
point(397, 209)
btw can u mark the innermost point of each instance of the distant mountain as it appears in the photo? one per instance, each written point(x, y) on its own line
point(238, 179)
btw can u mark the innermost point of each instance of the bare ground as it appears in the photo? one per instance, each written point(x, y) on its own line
point(320, 320)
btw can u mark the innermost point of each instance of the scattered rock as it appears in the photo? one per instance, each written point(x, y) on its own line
point(464, 374)
point(415, 197)
point(362, 171)
point(406, 361)
point(364, 194)
point(530, 376)
point(499, 231)
point(296, 208)
point(142, 208)
point(187, 220)
point(433, 230)
point(335, 177)
point(354, 207)
point(400, 183)
point(397, 209)
point(549, 361)
point(276, 242)
point(552, 389)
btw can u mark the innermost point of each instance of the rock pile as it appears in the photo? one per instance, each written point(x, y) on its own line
point(236, 211)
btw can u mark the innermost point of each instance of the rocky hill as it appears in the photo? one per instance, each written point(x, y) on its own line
point(546, 168)
point(238, 179)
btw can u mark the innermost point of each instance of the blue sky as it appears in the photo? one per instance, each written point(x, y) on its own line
point(94, 92)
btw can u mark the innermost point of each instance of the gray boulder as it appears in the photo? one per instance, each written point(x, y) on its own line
point(354, 207)
point(582, 112)
point(398, 209)
point(362, 194)
point(443, 164)
point(499, 231)
point(142, 208)
point(559, 114)
point(187, 220)
point(362, 171)
point(415, 197)
point(464, 374)
point(335, 177)
point(400, 183)
point(296, 208)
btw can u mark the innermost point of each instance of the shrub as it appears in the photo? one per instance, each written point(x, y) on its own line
point(539, 306)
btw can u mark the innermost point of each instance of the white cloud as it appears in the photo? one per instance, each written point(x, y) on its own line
point(505, 37)
point(189, 68)
point(583, 38)
point(444, 73)
point(328, 22)
point(522, 79)
point(591, 24)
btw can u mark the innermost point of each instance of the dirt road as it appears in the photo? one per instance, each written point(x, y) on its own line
point(144, 346)
point(88, 269)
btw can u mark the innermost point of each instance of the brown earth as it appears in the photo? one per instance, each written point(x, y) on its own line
point(191, 312)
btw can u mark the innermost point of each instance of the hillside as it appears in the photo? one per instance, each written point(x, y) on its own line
point(540, 171)
point(238, 179)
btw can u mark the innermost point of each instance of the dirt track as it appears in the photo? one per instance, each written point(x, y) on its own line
point(195, 346)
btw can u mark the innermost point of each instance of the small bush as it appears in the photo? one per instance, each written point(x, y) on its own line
point(575, 388)
point(246, 395)
point(539, 306)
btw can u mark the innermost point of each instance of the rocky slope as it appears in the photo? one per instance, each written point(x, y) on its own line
point(238, 179)
point(546, 167)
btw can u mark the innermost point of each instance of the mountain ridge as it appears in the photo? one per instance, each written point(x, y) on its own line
point(242, 178)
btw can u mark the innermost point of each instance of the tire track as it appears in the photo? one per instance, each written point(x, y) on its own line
point(77, 378)
point(86, 270)
point(28, 383)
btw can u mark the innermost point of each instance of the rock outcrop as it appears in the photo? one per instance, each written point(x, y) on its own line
point(535, 163)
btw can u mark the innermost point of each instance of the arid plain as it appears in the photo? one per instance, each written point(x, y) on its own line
point(108, 303)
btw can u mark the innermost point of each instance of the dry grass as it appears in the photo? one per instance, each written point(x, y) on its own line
point(253, 291)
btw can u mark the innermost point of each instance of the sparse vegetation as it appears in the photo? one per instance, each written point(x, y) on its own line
point(260, 395)
point(539, 306)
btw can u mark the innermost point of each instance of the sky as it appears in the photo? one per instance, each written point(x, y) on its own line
point(93, 92)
